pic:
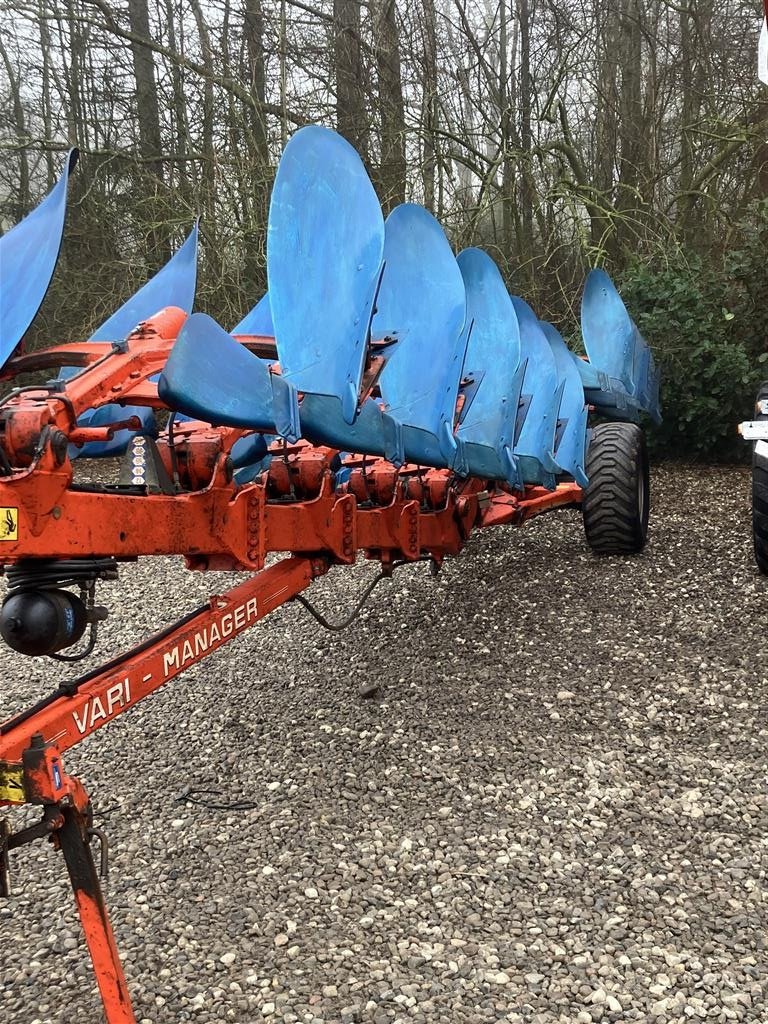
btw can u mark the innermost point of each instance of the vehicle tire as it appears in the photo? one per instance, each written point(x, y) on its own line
point(760, 493)
point(615, 504)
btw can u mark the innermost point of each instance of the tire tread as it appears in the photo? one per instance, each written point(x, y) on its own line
point(613, 523)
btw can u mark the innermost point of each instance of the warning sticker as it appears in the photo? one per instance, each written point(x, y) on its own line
point(11, 783)
point(9, 523)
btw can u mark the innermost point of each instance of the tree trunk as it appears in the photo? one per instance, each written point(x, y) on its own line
point(689, 112)
point(23, 203)
point(147, 109)
point(255, 179)
point(606, 123)
point(253, 30)
point(77, 129)
point(526, 132)
point(351, 116)
point(180, 141)
point(392, 110)
point(207, 121)
point(505, 139)
point(45, 69)
point(430, 108)
point(631, 124)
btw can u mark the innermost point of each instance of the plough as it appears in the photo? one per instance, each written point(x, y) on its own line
point(383, 397)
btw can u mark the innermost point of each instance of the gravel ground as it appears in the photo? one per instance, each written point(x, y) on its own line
point(555, 810)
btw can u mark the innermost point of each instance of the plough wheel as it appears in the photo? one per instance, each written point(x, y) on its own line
point(615, 506)
point(760, 492)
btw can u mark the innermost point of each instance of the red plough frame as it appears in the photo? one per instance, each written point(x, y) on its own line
point(387, 513)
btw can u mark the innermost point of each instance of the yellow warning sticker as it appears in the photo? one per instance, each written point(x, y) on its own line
point(9, 523)
point(11, 783)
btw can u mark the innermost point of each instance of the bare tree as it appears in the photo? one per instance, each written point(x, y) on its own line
point(554, 133)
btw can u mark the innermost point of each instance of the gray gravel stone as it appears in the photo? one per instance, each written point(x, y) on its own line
point(555, 809)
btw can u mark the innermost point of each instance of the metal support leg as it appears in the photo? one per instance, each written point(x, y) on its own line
point(73, 839)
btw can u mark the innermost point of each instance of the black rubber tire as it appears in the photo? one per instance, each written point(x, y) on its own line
point(615, 505)
point(760, 495)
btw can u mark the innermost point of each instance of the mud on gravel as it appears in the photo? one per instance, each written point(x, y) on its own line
point(555, 810)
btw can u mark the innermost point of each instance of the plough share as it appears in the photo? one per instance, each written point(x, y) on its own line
point(384, 397)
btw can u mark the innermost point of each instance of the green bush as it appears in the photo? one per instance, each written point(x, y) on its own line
point(707, 330)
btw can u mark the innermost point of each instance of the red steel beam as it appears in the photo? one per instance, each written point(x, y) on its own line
point(73, 839)
point(108, 692)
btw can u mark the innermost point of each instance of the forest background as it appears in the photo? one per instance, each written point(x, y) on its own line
point(557, 134)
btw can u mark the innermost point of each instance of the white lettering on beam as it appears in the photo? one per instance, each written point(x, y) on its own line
point(208, 637)
point(98, 710)
point(171, 661)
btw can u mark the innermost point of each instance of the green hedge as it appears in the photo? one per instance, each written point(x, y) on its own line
point(707, 322)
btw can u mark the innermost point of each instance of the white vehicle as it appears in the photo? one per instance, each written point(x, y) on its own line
point(756, 430)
